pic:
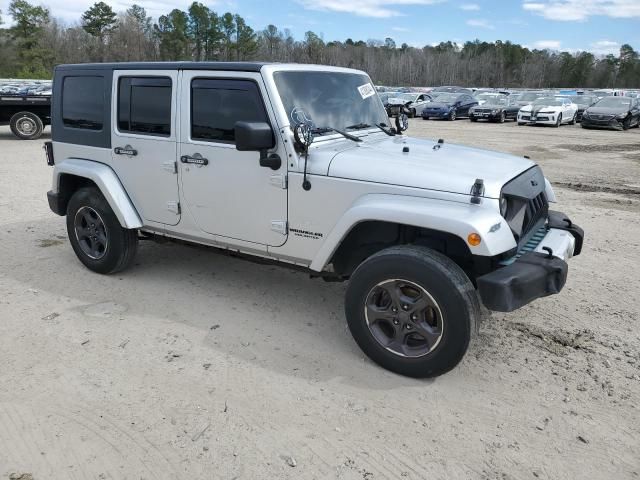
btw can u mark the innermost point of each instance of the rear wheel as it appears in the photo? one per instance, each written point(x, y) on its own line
point(95, 234)
point(26, 125)
point(412, 310)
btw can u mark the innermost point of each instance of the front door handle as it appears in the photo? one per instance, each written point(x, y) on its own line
point(126, 150)
point(195, 159)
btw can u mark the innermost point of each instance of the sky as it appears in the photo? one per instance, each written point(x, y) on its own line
point(598, 26)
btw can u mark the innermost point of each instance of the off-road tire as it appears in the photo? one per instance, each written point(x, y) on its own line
point(26, 125)
point(121, 243)
point(444, 281)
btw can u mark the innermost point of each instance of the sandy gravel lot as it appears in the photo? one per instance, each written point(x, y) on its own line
point(194, 365)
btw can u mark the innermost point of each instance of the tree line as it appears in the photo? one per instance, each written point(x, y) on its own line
point(37, 41)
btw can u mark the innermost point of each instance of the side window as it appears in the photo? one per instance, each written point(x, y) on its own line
point(144, 105)
point(83, 102)
point(216, 106)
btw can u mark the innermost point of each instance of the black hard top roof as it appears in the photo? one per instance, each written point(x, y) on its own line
point(224, 66)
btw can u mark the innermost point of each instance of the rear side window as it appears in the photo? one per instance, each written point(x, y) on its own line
point(144, 105)
point(216, 106)
point(83, 102)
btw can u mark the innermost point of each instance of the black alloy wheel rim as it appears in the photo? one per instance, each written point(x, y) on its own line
point(404, 318)
point(91, 233)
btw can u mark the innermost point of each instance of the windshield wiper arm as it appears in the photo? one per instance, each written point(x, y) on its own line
point(321, 130)
point(382, 126)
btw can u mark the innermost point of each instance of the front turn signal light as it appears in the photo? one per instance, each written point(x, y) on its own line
point(474, 239)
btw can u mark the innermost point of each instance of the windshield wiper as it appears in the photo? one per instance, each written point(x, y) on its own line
point(382, 126)
point(321, 130)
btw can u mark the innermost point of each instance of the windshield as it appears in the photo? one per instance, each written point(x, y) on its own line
point(496, 100)
point(548, 102)
point(447, 97)
point(329, 99)
point(582, 100)
point(528, 97)
point(614, 102)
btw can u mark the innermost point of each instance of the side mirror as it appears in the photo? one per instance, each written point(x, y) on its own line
point(253, 136)
point(257, 137)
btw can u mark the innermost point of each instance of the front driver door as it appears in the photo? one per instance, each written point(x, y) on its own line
point(229, 194)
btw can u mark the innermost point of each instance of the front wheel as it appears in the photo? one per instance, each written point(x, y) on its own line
point(412, 310)
point(96, 236)
point(452, 115)
point(573, 120)
point(26, 125)
point(626, 123)
point(412, 113)
point(502, 118)
point(558, 121)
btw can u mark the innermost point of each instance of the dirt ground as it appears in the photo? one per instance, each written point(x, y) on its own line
point(194, 365)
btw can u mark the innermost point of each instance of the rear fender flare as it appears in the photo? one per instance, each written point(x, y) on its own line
point(108, 183)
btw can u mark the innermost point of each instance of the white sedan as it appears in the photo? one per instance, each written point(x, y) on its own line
point(549, 111)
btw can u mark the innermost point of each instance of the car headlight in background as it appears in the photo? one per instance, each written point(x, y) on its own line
point(504, 206)
point(622, 116)
point(494, 111)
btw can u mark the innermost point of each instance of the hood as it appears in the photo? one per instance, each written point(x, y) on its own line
point(607, 110)
point(439, 105)
point(450, 168)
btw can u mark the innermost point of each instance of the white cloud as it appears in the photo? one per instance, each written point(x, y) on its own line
point(400, 29)
point(604, 47)
point(480, 23)
point(577, 10)
point(547, 44)
point(365, 8)
point(470, 7)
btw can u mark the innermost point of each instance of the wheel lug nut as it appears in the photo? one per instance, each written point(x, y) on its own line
point(405, 307)
point(396, 322)
point(394, 310)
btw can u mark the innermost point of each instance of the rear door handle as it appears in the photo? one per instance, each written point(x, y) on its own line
point(126, 150)
point(195, 159)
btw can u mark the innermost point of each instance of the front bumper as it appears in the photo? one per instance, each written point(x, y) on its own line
point(608, 123)
point(537, 273)
point(539, 119)
point(435, 113)
point(484, 116)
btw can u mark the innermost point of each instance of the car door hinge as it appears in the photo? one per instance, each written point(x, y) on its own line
point(171, 167)
point(174, 207)
point(280, 226)
point(278, 180)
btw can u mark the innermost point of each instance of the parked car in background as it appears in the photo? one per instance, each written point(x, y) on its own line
point(449, 106)
point(496, 108)
point(549, 111)
point(583, 102)
point(620, 113)
point(482, 97)
point(415, 102)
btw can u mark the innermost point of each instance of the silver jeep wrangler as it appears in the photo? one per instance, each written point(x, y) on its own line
point(297, 164)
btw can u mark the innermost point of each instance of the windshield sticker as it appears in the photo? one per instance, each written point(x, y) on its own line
point(366, 90)
point(298, 115)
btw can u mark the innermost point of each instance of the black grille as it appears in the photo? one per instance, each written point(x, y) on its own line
point(537, 208)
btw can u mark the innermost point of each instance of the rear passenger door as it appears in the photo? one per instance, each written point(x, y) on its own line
point(229, 194)
point(143, 141)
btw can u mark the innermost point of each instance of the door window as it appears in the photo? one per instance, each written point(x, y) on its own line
point(216, 106)
point(144, 105)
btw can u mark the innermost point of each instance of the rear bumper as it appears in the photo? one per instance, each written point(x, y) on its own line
point(536, 274)
point(56, 203)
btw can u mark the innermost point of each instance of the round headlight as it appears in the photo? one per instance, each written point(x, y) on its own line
point(503, 206)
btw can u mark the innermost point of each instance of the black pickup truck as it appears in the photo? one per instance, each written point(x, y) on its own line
point(27, 115)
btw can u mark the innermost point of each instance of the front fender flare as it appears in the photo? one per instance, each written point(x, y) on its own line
point(457, 218)
point(108, 183)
